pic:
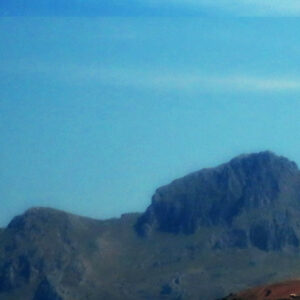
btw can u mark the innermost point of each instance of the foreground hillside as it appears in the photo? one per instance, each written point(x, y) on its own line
point(203, 236)
point(286, 290)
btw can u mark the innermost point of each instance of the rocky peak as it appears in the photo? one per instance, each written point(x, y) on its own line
point(36, 216)
point(226, 196)
point(263, 163)
point(42, 241)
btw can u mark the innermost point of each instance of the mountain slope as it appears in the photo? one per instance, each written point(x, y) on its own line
point(204, 235)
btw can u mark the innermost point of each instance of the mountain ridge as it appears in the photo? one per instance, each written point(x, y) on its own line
point(195, 253)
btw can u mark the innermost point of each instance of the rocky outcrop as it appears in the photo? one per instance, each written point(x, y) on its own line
point(247, 196)
point(271, 236)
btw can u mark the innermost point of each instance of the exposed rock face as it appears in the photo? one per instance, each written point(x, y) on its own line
point(14, 273)
point(254, 197)
point(46, 291)
point(271, 236)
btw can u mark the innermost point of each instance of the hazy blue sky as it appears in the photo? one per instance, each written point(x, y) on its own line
point(96, 113)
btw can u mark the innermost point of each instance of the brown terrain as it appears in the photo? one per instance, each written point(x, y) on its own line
point(279, 291)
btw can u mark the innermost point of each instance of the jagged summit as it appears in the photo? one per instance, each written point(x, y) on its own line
point(261, 185)
point(264, 159)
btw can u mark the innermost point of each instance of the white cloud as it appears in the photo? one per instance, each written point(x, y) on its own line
point(251, 83)
point(266, 7)
point(240, 7)
point(153, 79)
